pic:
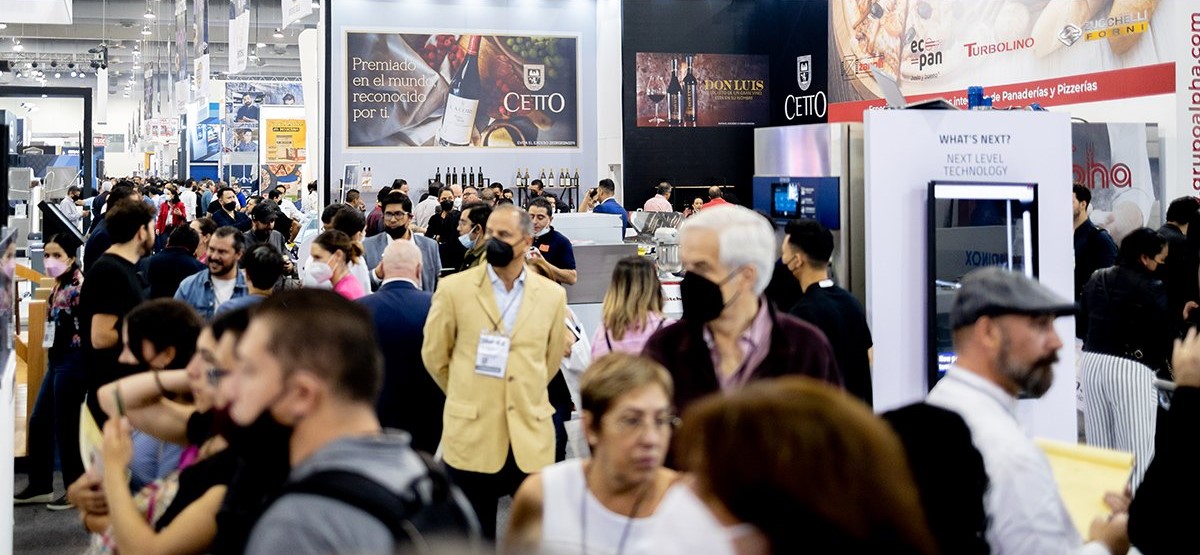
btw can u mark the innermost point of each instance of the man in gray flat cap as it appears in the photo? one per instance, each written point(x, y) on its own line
point(1006, 344)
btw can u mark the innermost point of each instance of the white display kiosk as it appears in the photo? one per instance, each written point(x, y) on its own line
point(905, 151)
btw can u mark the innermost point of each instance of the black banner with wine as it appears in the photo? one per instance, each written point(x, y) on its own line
point(461, 90)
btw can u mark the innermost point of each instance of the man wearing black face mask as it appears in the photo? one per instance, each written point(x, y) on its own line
point(493, 341)
point(228, 213)
point(730, 333)
point(397, 224)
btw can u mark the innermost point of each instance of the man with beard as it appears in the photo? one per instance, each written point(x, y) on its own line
point(228, 213)
point(1006, 344)
point(397, 224)
point(221, 281)
point(73, 207)
point(113, 288)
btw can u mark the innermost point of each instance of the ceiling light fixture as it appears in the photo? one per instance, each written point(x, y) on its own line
point(146, 30)
point(17, 46)
point(57, 75)
point(74, 74)
point(149, 13)
point(278, 33)
point(3, 25)
point(261, 45)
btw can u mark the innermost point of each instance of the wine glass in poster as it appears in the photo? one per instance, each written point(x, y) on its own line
point(439, 89)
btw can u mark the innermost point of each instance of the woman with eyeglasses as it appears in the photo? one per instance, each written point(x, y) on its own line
point(1127, 333)
point(177, 513)
point(606, 503)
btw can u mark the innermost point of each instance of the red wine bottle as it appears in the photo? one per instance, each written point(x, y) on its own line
point(674, 97)
point(458, 121)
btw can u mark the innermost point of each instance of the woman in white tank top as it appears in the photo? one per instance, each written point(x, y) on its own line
point(608, 504)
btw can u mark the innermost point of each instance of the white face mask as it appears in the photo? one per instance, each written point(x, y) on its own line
point(544, 231)
point(466, 240)
point(317, 274)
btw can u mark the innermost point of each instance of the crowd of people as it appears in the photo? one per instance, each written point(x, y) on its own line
point(383, 384)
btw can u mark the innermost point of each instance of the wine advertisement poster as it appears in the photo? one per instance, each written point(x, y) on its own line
point(702, 90)
point(285, 141)
point(461, 90)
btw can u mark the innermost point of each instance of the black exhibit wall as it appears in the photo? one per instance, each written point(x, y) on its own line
point(759, 63)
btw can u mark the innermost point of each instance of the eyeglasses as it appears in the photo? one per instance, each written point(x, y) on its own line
point(633, 424)
point(394, 215)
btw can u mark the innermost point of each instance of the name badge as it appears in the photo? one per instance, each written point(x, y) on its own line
point(48, 337)
point(491, 357)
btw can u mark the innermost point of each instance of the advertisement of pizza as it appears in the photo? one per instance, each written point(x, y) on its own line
point(1049, 52)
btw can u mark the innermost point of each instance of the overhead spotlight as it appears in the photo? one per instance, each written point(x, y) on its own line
point(3, 25)
point(53, 63)
point(71, 65)
point(149, 13)
point(57, 75)
point(146, 30)
point(17, 46)
point(35, 64)
point(74, 74)
point(278, 33)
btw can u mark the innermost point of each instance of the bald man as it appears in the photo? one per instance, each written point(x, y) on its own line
point(410, 400)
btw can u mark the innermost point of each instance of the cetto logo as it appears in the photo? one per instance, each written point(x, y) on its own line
point(535, 77)
point(975, 49)
point(804, 71)
point(812, 105)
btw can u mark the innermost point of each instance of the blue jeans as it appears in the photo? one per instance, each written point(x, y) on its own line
point(55, 421)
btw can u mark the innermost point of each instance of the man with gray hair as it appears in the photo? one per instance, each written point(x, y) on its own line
point(730, 333)
point(493, 341)
point(1006, 345)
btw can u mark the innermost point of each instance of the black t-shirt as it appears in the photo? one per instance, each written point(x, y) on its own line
point(840, 316)
point(113, 287)
point(556, 249)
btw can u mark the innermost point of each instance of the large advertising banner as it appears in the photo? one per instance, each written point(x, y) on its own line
point(239, 35)
point(702, 90)
point(1022, 52)
point(272, 175)
point(1120, 164)
point(179, 58)
point(295, 10)
point(442, 90)
point(285, 141)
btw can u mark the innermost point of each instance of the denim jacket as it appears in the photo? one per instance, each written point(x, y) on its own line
point(197, 291)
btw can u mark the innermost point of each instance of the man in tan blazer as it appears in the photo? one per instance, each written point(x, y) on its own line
point(493, 341)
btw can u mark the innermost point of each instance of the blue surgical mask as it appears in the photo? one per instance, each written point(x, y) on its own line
point(466, 241)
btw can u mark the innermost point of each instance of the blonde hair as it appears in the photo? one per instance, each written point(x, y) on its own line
point(634, 293)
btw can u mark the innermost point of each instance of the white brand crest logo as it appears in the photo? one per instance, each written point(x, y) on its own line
point(535, 77)
point(804, 71)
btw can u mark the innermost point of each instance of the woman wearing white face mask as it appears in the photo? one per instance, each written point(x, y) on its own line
point(56, 414)
point(332, 253)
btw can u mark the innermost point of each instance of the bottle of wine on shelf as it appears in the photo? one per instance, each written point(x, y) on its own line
point(690, 99)
point(462, 179)
point(525, 178)
point(517, 180)
point(462, 105)
point(471, 177)
point(437, 177)
point(575, 180)
point(450, 176)
point(674, 97)
point(479, 177)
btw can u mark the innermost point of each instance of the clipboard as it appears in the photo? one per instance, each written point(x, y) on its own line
point(1084, 474)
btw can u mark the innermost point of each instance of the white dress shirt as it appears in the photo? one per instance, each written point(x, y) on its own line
point(425, 210)
point(508, 303)
point(658, 204)
point(1023, 506)
point(71, 210)
point(188, 198)
point(310, 202)
point(289, 209)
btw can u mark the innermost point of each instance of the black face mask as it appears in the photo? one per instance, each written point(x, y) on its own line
point(499, 253)
point(230, 206)
point(702, 298)
point(265, 437)
point(447, 205)
point(396, 232)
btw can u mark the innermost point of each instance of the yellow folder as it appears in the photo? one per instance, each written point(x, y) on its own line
point(1084, 474)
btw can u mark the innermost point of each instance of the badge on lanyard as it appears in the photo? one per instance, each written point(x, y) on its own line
point(491, 357)
point(48, 337)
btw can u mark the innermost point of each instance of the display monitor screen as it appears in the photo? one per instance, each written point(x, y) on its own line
point(972, 226)
point(789, 198)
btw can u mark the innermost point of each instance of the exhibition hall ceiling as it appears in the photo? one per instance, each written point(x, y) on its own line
point(136, 41)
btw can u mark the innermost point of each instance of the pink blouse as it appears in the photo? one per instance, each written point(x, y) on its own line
point(633, 340)
point(349, 287)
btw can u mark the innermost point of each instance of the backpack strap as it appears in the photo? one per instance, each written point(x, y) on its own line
point(363, 493)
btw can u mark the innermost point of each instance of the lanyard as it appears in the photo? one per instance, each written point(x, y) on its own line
point(637, 504)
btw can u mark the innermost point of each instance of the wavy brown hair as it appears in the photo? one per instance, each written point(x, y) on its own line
point(808, 465)
point(634, 293)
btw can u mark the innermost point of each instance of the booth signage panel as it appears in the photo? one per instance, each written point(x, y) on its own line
point(905, 151)
point(731, 90)
point(398, 86)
